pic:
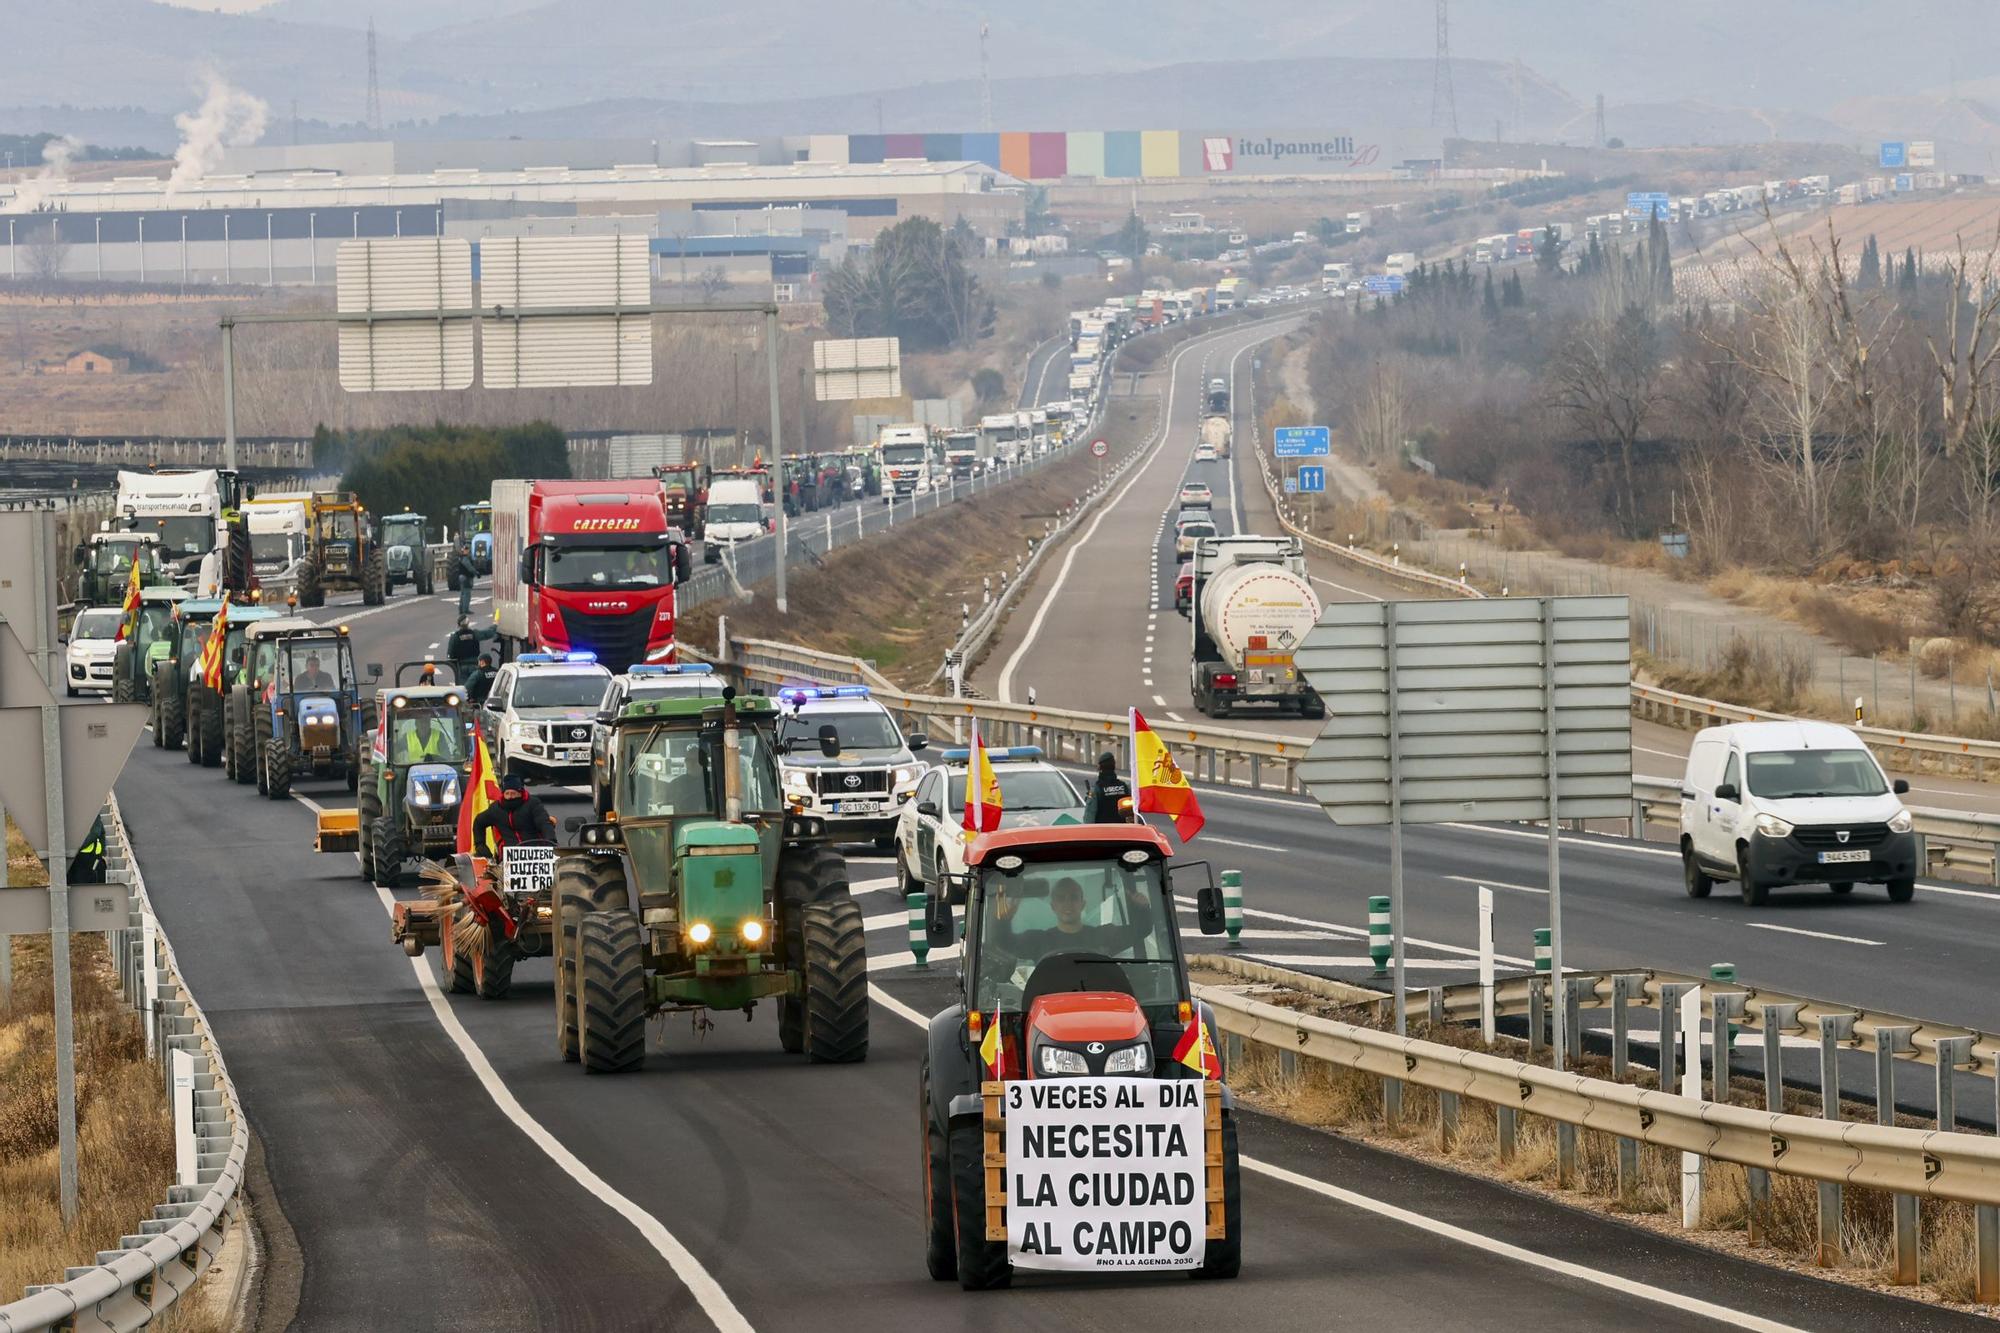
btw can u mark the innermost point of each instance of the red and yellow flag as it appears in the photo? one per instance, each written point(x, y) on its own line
point(1196, 1049)
point(211, 648)
point(131, 603)
point(1162, 787)
point(982, 791)
point(990, 1047)
point(481, 790)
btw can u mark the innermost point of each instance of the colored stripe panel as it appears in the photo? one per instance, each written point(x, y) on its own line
point(902, 145)
point(864, 148)
point(944, 148)
point(1086, 153)
point(1160, 152)
point(1121, 153)
point(1014, 155)
point(981, 148)
point(1048, 156)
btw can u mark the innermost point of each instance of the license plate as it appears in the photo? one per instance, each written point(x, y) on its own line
point(856, 807)
point(1841, 858)
point(574, 756)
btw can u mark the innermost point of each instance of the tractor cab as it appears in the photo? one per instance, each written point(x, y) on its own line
point(475, 530)
point(341, 552)
point(296, 711)
point(145, 635)
point(415, 766)
point(403, 538)
point(105, 566)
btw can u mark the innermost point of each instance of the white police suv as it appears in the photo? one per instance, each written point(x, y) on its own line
point(844, 759)
point(540, 713)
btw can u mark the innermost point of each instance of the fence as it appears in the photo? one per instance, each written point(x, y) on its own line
point(1910, 1163)
point(156, 1265)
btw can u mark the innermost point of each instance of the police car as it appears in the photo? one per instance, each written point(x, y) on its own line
point(540, 712)
point(930, 841)
point(844, 759)
point(693, 680)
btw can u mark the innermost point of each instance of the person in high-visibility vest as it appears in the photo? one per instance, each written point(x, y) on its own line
point(418, 743)
point(87, 866)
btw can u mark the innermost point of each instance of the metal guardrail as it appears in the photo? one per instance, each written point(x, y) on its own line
point(129, 1287)
point(1650, 701)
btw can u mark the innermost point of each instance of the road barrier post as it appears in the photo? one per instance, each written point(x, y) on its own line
point(1486, 1033)
point(1834, 1029)
point(1889, 1043)
point(920, 940)
point(1539, 995)
point(1624, 988)
point(1232, 906)
point(1380, 943)
point(1777, 1019)
point(1728, 1006)
point(1691, 1162)
point(1725, 974)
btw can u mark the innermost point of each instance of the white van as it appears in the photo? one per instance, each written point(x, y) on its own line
point(735, 515)
point(1769, 804)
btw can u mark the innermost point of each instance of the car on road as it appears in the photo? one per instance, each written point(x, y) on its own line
point(1196, 495)
point(93, 642)
point(540, 712)
point(843, 758)
point(1184, 587)
point(930, 842)
point(695, 680)
point(1204, 453)
point(1772, 804)
point(1189, 532)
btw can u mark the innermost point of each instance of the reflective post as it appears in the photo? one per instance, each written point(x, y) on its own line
point(1834, 1029)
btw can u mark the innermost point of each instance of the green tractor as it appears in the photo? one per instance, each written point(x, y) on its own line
point(405, 554)
point(104, 566)
point(702, 891)
point(414, 768)
point(143, 641)
point(185, 710)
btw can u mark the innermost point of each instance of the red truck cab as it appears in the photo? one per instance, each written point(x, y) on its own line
point(586, 566)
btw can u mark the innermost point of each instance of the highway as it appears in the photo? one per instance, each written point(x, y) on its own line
point(429, 1162)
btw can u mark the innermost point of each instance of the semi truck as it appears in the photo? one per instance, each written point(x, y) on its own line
point(1359, 221)
point(1251, 607)
point(1401, 263)
point(1000, 435)
point(180, 511)
point(961, 453)
point(906, 459)
point(586, 566)
point(278, 527)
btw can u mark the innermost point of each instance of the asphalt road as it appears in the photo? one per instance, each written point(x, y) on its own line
point(431, 1163)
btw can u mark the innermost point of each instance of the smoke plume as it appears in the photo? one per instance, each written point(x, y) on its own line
point(227, 117)
point(57, 154)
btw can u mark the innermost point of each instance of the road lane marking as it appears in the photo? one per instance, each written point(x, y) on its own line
point(1519, 1254)
point(1815, 934)
point(1494, 884)
point(1232, 842)
point(1342, 587)
point(1160, 699)
point(1175, 717)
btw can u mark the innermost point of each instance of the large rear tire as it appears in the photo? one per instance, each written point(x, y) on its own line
point(169, 707)
point(390, 852)
point(583, 885)
point(611, 992)
point(121, 682)
point(277, 782)
point(940, 1251)
point(1224, 1258)
point(242, 743)
point(982, 1263)
point(368, 805)
point(836, 982)
point(309, 590)
point(374, 580)
point(813, 874)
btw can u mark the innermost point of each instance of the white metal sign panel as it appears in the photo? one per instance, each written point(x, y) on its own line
point(851, 368)
point(552, 274)
point(405, 275)
point(1105, 1173)
point(91, 907)
point(1472, 709)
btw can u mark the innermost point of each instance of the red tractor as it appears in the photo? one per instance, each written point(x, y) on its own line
point(1072, 969)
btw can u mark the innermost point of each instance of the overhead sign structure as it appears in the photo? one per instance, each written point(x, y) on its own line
point(1301, 442)
point(1487, 710)
point(1384, 284)
point(1312, 479)
point(850, 368)
point(1923, 152)
point(1648, 204)
point(563, 311)
point(1106, 1174)
point(405, 275)
point(1893, 153)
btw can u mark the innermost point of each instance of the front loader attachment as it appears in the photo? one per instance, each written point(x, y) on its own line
point(339, 831)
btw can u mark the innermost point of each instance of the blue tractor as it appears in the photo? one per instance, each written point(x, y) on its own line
point(475, 526)
point(296, 710)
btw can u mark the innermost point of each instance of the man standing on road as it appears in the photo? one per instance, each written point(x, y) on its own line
point(480, 683)
point(461, 648)
point(515, 820)
point(467, 572)
point(1106, 793)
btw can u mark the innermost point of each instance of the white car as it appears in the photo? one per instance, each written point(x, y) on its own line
point(930, 842)
point(1773, 804)
point(1189, 533)
point(1204, 453)
point(843, 758)
point(93, 642)
point(540, 714)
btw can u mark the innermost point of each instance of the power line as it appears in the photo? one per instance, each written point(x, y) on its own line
point(1444, 100)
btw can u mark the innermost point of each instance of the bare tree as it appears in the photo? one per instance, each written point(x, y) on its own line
point(1711, 391)
point(1380, 413)
point(713, 282)
point(1789, 351)
point(1966, 360)
point(48, 253)
point(1606, 379)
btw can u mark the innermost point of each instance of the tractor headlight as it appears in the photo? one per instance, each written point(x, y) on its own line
point(1773, 827)
point(1133, 1059)
point(1056, 1061)
point(701, 932)
point(752, 932)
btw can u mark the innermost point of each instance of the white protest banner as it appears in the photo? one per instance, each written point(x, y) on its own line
point(1105, 1173)
point(528, 869)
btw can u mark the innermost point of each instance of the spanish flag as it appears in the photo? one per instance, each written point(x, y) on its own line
point(1163, 788)
point(211, 648)
point(989, 1048)
point(481, 790)
point(982, 791)
point(1196, 1049)
point(131, 604)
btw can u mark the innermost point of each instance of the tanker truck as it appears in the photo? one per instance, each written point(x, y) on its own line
point(1215, 435)
point(1251, 608)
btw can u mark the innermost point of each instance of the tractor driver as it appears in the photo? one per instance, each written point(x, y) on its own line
point(1070, 933)
point(515, 820)
point(314, 677)
point(425, 740)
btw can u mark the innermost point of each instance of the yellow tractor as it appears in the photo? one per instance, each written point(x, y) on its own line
point(342, 552)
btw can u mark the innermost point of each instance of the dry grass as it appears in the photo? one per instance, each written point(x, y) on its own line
point(1822, 610)
point(1351, 1102)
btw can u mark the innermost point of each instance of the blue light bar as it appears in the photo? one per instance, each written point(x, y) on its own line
point(798, 694)
point(1014, 753)
point(557, 657)
point(681, 669)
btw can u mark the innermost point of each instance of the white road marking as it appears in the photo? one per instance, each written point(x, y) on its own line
point(1815, 934)
point(1175, 717)
point(1233, 842)
point(1506, 1250)
point(1494, 884)
point(1160, 699)
point(1342, 587)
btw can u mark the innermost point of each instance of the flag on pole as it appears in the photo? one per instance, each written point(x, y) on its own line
point(989, 1048)
point(1196, 1049)
point(982, 791)
point(481, 790)
point(211, 648)
point(131, 603)
point(1162, 787)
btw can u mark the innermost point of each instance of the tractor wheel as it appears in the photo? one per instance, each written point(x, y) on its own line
point(374, 580)
point(205, 725)
point(940, 1254)
point(390, 852)
point(243, 746)
point(836, 968)
point(310, 593)
point(260, 746)
point(493, 969)
point(456, 964)
point(611, 993)
point(121, 683)
point(582, 885)
point(169, 708)
point(982, 1263)
point(815, 874)
point(277, 769)
point(1224, 1258)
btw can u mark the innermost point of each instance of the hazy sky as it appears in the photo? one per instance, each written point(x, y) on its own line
point(226, 6)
